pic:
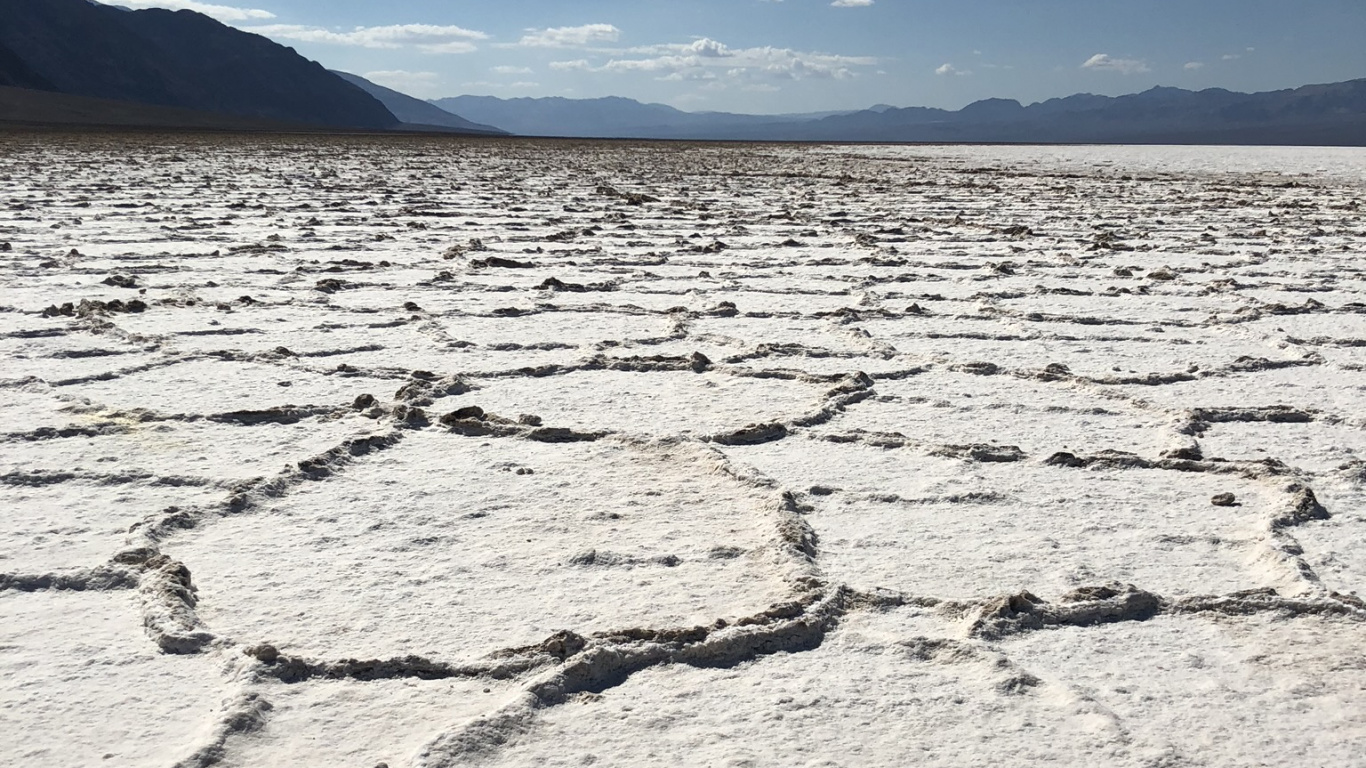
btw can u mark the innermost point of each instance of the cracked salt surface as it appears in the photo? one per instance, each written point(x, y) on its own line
point(402, 451)
point(84, 687)
point(432, 547)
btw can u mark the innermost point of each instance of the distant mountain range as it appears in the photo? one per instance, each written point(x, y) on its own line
point(1333, 114)
point(182, 67)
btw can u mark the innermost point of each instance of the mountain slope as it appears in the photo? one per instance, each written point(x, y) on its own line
point(175, 59)
point(29, 108)
point(416, 112)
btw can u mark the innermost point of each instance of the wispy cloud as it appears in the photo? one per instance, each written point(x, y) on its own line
point(1108, 63)
point(1194, 65)
point(570, 37)
point(428, 38)
point(507, 70)
point(851, 3)
point(707, 59)
point(495, 86)
point(949, 69)
point(220, 12)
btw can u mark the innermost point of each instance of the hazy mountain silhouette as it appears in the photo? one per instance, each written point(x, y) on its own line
point(610, 117)
point(1315, 114)
point(175, 59)
point(416, 113)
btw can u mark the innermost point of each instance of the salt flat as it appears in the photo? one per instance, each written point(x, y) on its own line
point(399, 451)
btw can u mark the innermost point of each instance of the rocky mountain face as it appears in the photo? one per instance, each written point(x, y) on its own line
point(176, 59)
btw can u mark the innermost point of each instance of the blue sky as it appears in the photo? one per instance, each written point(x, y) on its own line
point(772, 56)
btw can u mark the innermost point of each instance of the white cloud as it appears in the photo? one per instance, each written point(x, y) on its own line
point(949, 69)
point(689, 61)
point(1232, 56)
point(506, 70)
point(1105, 62)
point(576, 64)
point(1194, 65)
point(570, 37)
point(428, 38)
point(851, 3)
point(220, 12)
point(493, 86)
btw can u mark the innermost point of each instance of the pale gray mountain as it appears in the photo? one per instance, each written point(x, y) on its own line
point(611, 117)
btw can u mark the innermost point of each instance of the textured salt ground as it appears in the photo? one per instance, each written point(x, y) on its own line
point(1264, 691)
point(888, 235)
point(252, 336)
point(363, 724)
point(1314, 447)
point(1337, 393)
point(818, 333)
point(31, 407)
point(861, 698)
point(60, 371)
point(16, 323)
point(925, 525)
point(83, 686)
point(1276, 164)
point(1312, 327)
point(577, 328)
point(626, 299)
point(1155, 308)
point(1121, 355)
point(216, 453)
point(464, 361)
point(183, 388)
point(1336, 548)
point(64, 348)
point(79, 523)
point(40, 293)
point(945, 407)
point(777, 302)
point(440, 547)
point(655, 403)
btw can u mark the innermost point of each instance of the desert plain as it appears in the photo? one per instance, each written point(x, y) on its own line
point(375, 451)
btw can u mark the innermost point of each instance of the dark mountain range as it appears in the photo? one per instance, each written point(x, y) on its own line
point(178, 59)
point(1332, 114)
point(1314, 114)
point(416, 113)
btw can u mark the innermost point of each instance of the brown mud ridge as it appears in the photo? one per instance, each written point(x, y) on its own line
point(803, 298)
